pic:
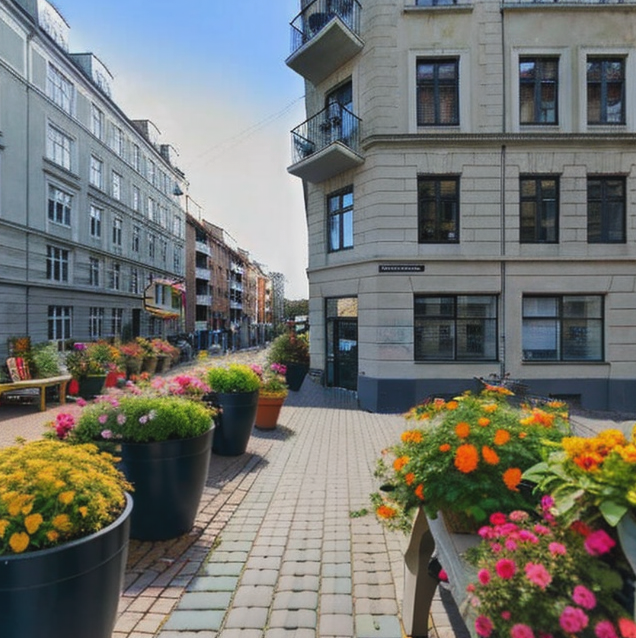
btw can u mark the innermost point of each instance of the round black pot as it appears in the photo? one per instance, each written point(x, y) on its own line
point(235, 422)
point(91, 386)
point(168, 477)
point(295, 375)
point(70, 591)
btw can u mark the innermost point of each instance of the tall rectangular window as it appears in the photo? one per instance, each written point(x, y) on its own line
point(60, 89)
point(151, 172)
point(56, 264)
point(116, 186)
point(135, 239)
point(93, 271)
point(136, 197)
point(97, 122)
point(437, 92)
point(115, 276)
point(59, 322)
point(563, 328)
point(116, 321)
point(59, 206)
point(606, 210)
point(59, 147)
point(340, 219)
point(176, 257)
point(539, 207)
point(134, 281)
point(118, 225)
point(538, 90)
point(455, 328)
point(136, 157)
point(117, 140)
point(95, 221)
point(96, 322)
point(151, 245)
point(96, 176)
point(438, 209)
point(151, 209)
point(606, 91)
point(163, 249)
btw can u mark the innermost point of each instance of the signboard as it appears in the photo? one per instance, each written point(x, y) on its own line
point(164, 298)
point(400, 268)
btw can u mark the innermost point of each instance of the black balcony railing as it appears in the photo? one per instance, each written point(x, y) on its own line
point(333, 124)
point(317, 15)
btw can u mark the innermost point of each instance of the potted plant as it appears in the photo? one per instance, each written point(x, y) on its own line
point(64, 524)
point(164, 442)
point(164, 352)
point(89, 365)
point(235, 391)
point(465, 458)
point(539, 578)
point(133, 356)
point(292, 351)
point(271, 395)
point(150, 358)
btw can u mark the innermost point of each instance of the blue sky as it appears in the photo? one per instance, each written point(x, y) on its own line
point(211, 75)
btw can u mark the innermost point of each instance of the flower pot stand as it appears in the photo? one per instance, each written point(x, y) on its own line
point(268, 412)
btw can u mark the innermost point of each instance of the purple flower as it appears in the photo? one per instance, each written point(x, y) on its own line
point(121, 419)
point(143, 419)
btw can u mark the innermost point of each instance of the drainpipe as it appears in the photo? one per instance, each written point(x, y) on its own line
point(28, 181)
point(502, 195)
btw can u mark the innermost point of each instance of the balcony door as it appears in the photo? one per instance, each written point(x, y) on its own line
point(340, 123)
point(342, 343)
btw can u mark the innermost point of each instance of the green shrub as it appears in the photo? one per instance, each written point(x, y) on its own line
point(290, 348)
point(234, 378)
point(46, 360)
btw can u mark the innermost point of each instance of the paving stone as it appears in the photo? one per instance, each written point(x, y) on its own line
point(295, 600)
point(195, 620)
point(214, 583)
point(290, 619)
point(299, 583)
point(336, 604)
point(368, 626)
point(223, 569)
point(259, 577)
point(253, 596)
point(247, 618)
point(206, 600)
point(336, 625)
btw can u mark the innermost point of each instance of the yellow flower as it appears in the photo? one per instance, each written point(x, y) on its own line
point(66, 498)
point(490, 407)
point(19, 542)
point(400, 462)
point(32, 523)
point(62, 522)
point(412, 436)
point(83, 510)
point(452, 405)
point(52, 535)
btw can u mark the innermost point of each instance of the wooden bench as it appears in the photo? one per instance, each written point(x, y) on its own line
point(21, 380)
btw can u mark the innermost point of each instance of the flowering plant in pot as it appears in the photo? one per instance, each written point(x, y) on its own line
point(94, 358)
point(538, 578)
point(292, 351)
point(271, 395)
point(64, 526)
point(465, 457)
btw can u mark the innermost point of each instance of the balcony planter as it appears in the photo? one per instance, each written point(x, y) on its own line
point(68, 591)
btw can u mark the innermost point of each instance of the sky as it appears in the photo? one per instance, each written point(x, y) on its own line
point(211, 76)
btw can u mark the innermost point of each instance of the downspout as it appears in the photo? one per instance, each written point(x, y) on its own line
point(502, 195)
point(28, 182)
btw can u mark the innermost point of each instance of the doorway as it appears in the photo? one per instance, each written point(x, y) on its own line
point(342, 342)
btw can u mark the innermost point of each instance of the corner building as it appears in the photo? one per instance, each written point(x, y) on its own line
point(470, 179)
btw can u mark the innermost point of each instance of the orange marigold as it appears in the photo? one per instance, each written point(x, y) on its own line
point(489, 455)
point(411, 436)
point(444, 447)
point(385, 511)
point(483, 421)
point(419, 492)
point(466, 458)
point(512, 478)
point(501, 437)
point(452, 405)
point(489, 407)
point(409, 479)
point(400, 462)
point(589, 462)
point(462, 429)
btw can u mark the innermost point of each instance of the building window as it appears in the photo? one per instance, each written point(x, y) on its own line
point(59, 147)
point(434, 3)
point(455, 328)
point(93, 271)
point(134, 281)
point(96, 323)
point(438, 209)
point(563, 328)
point(538, 90)
point(176, 258)
point(97, 122)
point(340, 220)
point(59, 323)
point(136, 236)
point(95, 221)
point(116, 321)
point(163, 249)
point(606, 91)
point(96, 176)
point(60, 89)
point(151, 209)
point(151, 245)
point(115, 276)
point(606, 210)
point(437, 92)
point(117, 230)
point(539, 208)
point(136, 196)
point(117, 178)
point(117, 141)
point(151, 172)
point(136, 157)
point(56, 264)
point(60, 206)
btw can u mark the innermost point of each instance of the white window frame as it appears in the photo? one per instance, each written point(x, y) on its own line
point(96, 322)
point(95, 221)
point(62, 201)
point(60, 89)
point(59, 320)
point(97, 122)
point(117, 180)
point(57, 264)
point(118, 226)
point(59, 147)
point(96, 177)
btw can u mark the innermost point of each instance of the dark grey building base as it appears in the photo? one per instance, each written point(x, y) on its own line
point(399, 395)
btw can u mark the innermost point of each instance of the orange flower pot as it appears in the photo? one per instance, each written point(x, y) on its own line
point(268, 411)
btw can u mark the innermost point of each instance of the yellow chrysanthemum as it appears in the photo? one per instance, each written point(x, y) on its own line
point(32, 523)
point(3, 527)
point(52, 536)
point(66, 498)
point(490, 407)
point(19, 542)
point(62, 522)
point(83, 510)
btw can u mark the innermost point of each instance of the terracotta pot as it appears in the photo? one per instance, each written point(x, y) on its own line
point(268, 411)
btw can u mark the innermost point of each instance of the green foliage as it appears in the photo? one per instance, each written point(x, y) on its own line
point(289, 348)
point(232, 379)
point(46, 360)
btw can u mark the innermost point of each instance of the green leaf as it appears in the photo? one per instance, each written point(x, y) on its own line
point(612, 512)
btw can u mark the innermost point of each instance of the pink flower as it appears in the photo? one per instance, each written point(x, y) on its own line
point(121, 419)
point(547, 502)
point(538, 574)
point(527, 535)
point(442, 575)
point(583, 597)
point(598, 543)
point(511, 545)
point(143, 419)
point(605, 629)
point(498, 518)
point(107, 434)
point(506, 568)
point(521, 631)
point(627, 628)
point(102, 418)
point(81, 402)
point(483, 576)
point(542, 530)
point(483, 626)
point(557, 549)
point(573, 619)
point(518, 516)
point(506, 615)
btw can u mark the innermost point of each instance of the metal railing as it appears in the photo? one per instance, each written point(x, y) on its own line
point(566, 2)
point(317, 14)
point(335, 123)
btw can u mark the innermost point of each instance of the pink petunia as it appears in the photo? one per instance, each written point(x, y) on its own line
point(557, 549)
point(510, 545)
point(573, 619)
point(605, 629)
point(521, 631)
point(106, 434)
point(102, 418)
point(121, 419)
point(483, 576)
point(506, 615)
point(583, 597)
point(506, 568)
point(538, 574)
point(518, 516)
point(527, 535)
point(498, 518)
point(599, 542)
point(483, 626)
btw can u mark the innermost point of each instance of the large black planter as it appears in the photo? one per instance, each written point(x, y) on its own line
point(168, 477)
point(235, 422)
point(295, 375)
point(70, 591)
point(91, 386)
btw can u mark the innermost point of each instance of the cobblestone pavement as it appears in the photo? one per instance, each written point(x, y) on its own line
point(275, 551)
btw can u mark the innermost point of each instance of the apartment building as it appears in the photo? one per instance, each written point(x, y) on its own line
point(470, 178)
point(90, 200)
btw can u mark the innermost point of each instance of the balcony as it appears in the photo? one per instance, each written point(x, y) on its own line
point(203, 273)
point(202, 247)
point(325, 35)
point(326, 144)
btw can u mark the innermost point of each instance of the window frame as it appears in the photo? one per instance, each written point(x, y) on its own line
point(604, 120)
point(605, 202)
point(437, 85)
point(96, 317)
point(96, 172)
point(339, 213)
point(539, 203)
point(57, 264)
point(59, 209)
point(438, 202)
point(116, 184)
point(94, 271)
point(95, 221)
point(60, 89)
point(538, 83)
point(59, 323)
point(59, 147)
point(97, 122)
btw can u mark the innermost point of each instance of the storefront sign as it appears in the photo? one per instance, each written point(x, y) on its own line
point(400, 268)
